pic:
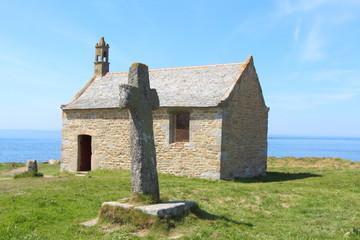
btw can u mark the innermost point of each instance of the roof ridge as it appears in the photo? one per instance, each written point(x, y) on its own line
point(182, 68)
point(195, 67)
point(122, 72)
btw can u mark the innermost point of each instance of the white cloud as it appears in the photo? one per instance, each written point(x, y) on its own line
point(313, 49)
point(316, 24)
point(307, 32)
point(297, 32)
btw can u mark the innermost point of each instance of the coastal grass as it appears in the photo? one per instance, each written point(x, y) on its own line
point(50, 170)
point(18, 169)
point(6, 168)
point(306, 198)
point(28, 174)
point(121, 216)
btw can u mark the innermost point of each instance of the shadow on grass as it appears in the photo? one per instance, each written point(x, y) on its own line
point(211, 217)
point(276, 177)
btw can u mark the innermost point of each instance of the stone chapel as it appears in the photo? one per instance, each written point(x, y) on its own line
point(212, 122)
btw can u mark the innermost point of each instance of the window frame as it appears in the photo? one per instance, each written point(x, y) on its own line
point(174, 125)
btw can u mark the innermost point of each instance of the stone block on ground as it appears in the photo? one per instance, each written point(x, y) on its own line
point(167, 209)
point(53, 161)
point(90, 223)
point(161, 210)
point(117, 204)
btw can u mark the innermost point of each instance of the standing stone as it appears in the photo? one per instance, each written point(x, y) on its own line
point(31, 165)
point(141, 100)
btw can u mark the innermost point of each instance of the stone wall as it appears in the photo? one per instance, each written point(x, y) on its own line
point(244, 140)
point(109, 128)
point(200, 157)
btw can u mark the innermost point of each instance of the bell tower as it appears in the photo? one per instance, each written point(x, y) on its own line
point(101, 64)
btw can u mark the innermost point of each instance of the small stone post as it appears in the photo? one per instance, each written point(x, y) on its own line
point(31, 165)
point(141, 100)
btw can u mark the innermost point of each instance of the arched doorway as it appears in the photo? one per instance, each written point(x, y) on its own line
point(84, 152)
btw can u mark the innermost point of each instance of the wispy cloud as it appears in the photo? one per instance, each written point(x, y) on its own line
point(342, 76)
point(16, 61)
point(316, 24)
point(305, 101)
point(328, 99)
point(297, 32)
point(74, 34)
point(314, 45)
point(325, 87)
point(309, 40)
point(290, 6)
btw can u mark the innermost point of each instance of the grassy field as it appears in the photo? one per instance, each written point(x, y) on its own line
point(308, 198)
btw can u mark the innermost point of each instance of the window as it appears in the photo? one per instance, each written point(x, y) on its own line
point(181, 127)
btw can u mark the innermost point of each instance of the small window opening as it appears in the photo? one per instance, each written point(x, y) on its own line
point(181, 131)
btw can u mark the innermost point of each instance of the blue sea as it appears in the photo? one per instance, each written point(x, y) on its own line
point(20, 146)
point(339, 147)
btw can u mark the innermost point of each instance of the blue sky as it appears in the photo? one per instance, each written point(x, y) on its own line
point(306, 53)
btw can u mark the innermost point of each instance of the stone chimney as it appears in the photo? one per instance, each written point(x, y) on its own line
point(101, 64)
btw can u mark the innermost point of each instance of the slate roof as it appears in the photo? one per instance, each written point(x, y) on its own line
point(202, 86)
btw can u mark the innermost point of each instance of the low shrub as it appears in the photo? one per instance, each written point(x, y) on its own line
point(28, 174)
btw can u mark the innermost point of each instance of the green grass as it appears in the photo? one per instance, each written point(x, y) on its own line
point(122, 216)
point(308, 198)
point(45, 168)
point(48, 169)
point(10, 166)
point(6, 167)
point(28, 174)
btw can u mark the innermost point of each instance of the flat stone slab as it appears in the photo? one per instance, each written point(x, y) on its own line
point(165, 209)
point(90, 223)
point(117, 204)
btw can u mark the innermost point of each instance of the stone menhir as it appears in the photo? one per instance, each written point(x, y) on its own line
point(31, 165)
point(141, 100)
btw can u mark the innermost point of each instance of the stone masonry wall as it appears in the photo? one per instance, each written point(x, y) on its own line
point(109, 128)
point(200, 157)
point(244, 140)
